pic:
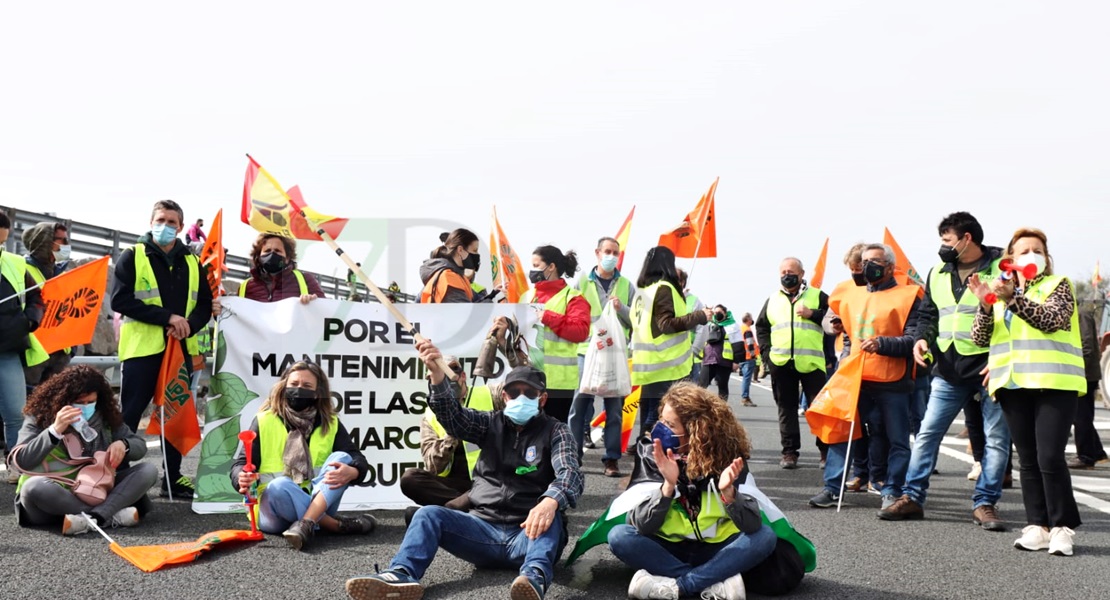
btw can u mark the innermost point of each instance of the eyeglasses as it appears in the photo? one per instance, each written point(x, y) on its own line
point(528, 392)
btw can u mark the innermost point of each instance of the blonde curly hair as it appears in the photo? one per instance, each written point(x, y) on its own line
point(714, 435)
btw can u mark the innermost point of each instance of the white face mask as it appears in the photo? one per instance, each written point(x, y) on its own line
point(1034, 259)
point(62, 253)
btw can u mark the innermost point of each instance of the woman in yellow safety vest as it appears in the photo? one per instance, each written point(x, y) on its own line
point(306, 460)
point(565, 318)
point(70, 417)
point(1035, 372)
point(699, 526)
point(661, 349)
point(274, 273)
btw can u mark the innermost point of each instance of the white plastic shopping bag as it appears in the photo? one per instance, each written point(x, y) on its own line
point(605, 369)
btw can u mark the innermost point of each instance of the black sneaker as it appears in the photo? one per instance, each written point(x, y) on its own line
point(299, 534)
point(825, 499)
point(356, 524)
point(182, 488)
point(527, 588)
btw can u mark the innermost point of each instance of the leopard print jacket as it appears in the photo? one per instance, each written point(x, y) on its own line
point(1054, 315)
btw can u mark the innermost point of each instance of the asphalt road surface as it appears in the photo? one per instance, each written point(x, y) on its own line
point(859, 556)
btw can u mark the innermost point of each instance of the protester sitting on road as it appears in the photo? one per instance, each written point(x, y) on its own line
point(274, 273)
point(565, 318)
point(526, 478)
point(443, 275)
point(448, 462)
point(71, 416)
point(1035, 371)
point(306, 460)
point(661, 320)
point(700, 452)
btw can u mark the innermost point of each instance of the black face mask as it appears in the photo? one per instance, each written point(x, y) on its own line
point(873, 272)
point(789, 281)
point(536, 275)
point(272, 262)
point(949, 254)
point(300, 398)
point(859, 279)
point(719, 316)
point(473, 262)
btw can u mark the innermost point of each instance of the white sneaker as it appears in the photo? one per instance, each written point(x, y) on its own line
point(75, 525)
point(645, 586)
point(1060, 542)
point(729, 589)
point(125, 517)
point(976, 470)
point(1034, 537)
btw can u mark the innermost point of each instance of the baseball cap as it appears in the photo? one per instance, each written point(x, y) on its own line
point(529, 375)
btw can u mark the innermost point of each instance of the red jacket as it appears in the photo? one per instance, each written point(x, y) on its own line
point(574, 326)
point(264, 287)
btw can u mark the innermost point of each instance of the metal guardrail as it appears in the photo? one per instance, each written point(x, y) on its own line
point(95, 240)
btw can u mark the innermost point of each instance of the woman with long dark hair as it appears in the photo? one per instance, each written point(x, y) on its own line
point(77, 399)
point(305, 460)
point(443, 275)
point(565, 320)
point(661, 350)
point(274, 273)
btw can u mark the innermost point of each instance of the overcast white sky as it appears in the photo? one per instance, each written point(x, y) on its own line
point(821, 119)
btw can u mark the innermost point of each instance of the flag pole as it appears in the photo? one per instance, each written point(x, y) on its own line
point(500, 262)
point(377, 292)
point(25, 290)
point(697, 250)
point(165, 460)
point(847, 462)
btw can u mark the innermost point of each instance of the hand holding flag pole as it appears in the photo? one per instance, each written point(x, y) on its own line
point(247, 437)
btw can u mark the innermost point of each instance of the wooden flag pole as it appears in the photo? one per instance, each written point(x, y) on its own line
point(330, 241)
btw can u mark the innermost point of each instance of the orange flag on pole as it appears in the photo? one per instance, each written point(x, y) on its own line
point(269, 209)
point(696, 237)
point(818, 276)
point(1096, 278)
point(214, 256)
point(72, 302)
point(173, 395)
point(622, 236)
point(833, 411)
point(904, 272)
point(505, 263)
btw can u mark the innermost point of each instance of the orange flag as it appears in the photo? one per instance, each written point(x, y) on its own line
point(505, 263)
point(818, 276)
point(1095, 277)
point(622, 236)
point(904, 272)
point(152, 558)
point(696, 237)
point(181, 427)
point(833, 411)
point(72, 302)
point(270, 210)
point(214, 256)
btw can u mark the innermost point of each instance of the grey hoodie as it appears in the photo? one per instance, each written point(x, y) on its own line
point(435, 265)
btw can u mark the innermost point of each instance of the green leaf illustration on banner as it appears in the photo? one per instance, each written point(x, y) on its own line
point(221, 353)
point(216, 456)
point(231, 395)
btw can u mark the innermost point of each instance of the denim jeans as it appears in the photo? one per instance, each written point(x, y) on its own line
point(478, 542)
point(694, 565)
point(283, 502)
point(918, 402)
point(13, 396)
point(945, 402)
point(747, 369)
point(582, 412)
point(890, 413)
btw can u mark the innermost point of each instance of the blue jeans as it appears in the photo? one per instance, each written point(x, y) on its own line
point(478, 542)
point(918, 402)
point(884, 411)
point(582, 412)
point(747, 369)
point(284, 502)
point(694, 565)
point(13, 396)
point(945, 402)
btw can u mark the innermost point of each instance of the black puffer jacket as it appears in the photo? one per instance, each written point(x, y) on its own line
point(16, 320)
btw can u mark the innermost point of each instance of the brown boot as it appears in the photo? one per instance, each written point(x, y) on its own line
point(611, 469)
point(903, 509)
point(986, 516)
point(300, 533)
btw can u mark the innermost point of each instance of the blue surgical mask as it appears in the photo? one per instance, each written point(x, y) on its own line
point(162, 235)
point(62, 253)
point(608, 263)
point(87, 410)
point(521, 409)
point(666, 437)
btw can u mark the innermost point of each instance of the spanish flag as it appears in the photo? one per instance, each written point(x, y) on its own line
point(72, 300)
point(622, 236)
point(270, 210)
point(696, 237)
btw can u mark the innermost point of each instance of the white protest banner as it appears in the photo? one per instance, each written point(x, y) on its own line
point(376, 378)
